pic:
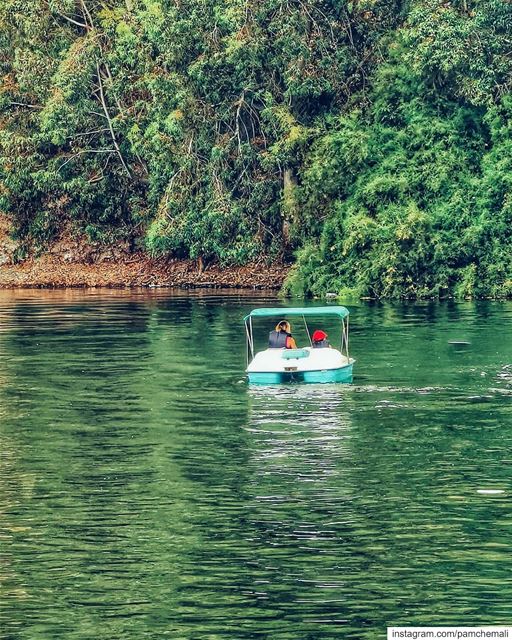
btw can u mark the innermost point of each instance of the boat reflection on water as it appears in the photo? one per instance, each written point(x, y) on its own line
point(300, 436)
point(300, 501)
point(314, 405)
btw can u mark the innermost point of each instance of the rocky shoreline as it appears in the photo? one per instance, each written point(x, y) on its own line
point(72, 260)
point(137, 270)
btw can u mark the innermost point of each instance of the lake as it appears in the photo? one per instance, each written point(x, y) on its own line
point(147, 492)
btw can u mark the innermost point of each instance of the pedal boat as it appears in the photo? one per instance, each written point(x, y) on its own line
point(308, 364)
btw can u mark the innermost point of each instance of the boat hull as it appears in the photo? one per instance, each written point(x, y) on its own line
point(342, 374)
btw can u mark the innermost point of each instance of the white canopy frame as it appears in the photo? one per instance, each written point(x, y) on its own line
point(282, 313)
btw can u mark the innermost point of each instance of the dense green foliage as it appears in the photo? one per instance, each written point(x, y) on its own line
point(373, 136)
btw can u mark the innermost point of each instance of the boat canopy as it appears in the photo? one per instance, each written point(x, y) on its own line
point(283, 312)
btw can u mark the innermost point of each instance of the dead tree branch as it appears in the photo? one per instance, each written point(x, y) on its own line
point(109, 120)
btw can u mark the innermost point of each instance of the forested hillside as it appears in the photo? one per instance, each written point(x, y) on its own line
point(369, 140)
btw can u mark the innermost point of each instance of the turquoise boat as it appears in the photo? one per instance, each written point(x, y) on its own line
point(307, 364)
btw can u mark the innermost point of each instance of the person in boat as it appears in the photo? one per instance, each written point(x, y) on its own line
point(281, 337)
point(319, 339)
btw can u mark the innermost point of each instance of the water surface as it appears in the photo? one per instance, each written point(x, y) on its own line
point(147, 492)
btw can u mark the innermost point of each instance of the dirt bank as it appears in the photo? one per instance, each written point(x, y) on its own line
point(72, 261)
point(136, 270)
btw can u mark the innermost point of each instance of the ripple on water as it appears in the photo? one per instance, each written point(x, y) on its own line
point(145, 492)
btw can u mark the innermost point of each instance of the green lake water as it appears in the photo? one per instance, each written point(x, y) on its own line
point(147, 492)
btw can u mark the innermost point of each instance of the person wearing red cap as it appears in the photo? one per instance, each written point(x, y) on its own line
point(319, 339)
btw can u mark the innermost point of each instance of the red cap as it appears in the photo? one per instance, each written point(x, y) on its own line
point(319, 335)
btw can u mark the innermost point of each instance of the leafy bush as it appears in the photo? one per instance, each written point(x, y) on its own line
point(372, 137)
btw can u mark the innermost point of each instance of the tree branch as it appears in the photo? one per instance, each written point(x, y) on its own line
point(81, 153)
point(68, 18)
point(78, 24)
point(23, 104)
point(109, 120)
point(87, 14)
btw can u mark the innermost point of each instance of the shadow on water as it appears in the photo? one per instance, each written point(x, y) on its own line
point(145, 491)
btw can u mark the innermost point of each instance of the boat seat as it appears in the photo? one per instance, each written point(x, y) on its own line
point(293, 354)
